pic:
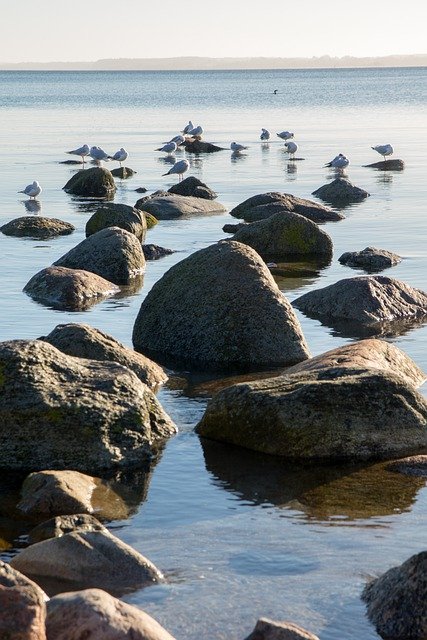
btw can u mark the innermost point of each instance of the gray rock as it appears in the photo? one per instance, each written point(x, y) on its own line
point(340, 191)
point(141, 190)
point(60, 412)
point(171, 206)
point(388, 165)
point(266, 629)
point(285, 236)
point(84, 341)
point(60, 525)
point(117, 215)
point(198, 146)
point(123, 172)
point(22, 606)
point(411, 466)
point(219, 309)
point(312, 210)
point(396, 601)
point(69, 289)
point(233, 228)
point(96, 182)
point(192, 186)
point(154, 252)
point(370, 259)
point(113, 253)
point(37, 227)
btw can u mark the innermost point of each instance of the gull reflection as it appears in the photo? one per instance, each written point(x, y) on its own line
point(32, 206)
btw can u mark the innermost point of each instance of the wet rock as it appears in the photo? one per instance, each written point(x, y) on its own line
point(370, 259)
point(84, 341)
point(150, 220)
point(233, 228)
point(198, 146)
point(117, 215)
point(207, 311)
point(266, 629)
point(22, 606)
point(60, 525)
point(37, 227)
point(123, 172)
point(113, 253)
point(69, 289)
point(340, 191)
point(192, 186)
point(60, 412)
point(94, 613)
point(388, 165)
point(312, 210)
point(286, 235)
point(411, 466)
point(96, 182)
point(396, 601)
point(171, 206)
point(154, 252)
point(141, 190)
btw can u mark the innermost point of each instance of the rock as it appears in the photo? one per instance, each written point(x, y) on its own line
point(396, 601)
point(232, 228)
point(388, 165)
point(266, 629)
point(150, 220)
point(154, 252)
point(37, 227)
point(171, 206)
point(22, 606)
point(71, 162)
point(123, 172)
point(69, 289)
point(219, 309)
point(96, 182)
point(370, 259)
point(84, 341)
point(198, 146)
point(284, 236)
point(340, 191)
point(312, 210)
point(117, 215)
point(60, 525)
point(141, 190)
point(84, 560)
point(113, 253)
point(60, 412)
point(192, 186)
point(412, 466)
point(95, 614)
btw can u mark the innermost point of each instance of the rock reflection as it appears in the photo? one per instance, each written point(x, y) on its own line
point(355, 330)
point(290, 276)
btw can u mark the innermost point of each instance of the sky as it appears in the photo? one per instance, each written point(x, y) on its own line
point(86, 30)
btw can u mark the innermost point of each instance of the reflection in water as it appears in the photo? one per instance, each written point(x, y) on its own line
point(237, 156)
point(32, 206)
point(385, 178)
point(167, 159)
point(265, 147)
point(291, 276)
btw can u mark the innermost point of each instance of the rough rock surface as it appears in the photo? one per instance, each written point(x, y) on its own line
point(95, 614)
point(118, 215)
point(411, 466)
point(96, 182)
point(340, 191)
point(60, 525)
point(388, 165)
point(72, 289)
point(220, 309)
point(233, 228)
point(59, 412)
point(370, 259)
point(84, 341)
point(396, 601)
point(266, 629)
point(154, 252)
point(198, 146)
point(113, 254)
point(312, 210)
point(22, 606)
point(286, 235)
point(123, 172)
point(192, 186)
point(169, 206)
point(37, 227)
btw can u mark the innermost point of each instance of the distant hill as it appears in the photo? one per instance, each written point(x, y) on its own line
point(200, 64)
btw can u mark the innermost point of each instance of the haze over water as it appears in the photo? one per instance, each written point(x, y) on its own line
point(240, 536)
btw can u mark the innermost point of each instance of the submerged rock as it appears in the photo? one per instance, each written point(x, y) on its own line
point(37, 227)
point(192, 186)
point(312, 210)
point(340, 191)
point(154, 252)
point(370, 259)
point(118, 215)
point(266, 629)
point(123, 172)
point(96, 182)
point(170, 206)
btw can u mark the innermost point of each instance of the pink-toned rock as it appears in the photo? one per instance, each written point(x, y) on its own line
point(266, 629)
point(22, 606)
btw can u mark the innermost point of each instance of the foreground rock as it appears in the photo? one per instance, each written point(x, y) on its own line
point(113, 254)
point(123, 172)
point(60, 412)
point(84, 341)
point(219, 309)
point(340, 191)
point(154, 252)
point(96, 182)
point(69, 289)
point(198, 146)
point(286, 235)
point(117, 215)
point(411, 466)
point(388, 165)
point(396, 602)
point(266, 629)
point(95, 614)
point(192, 186)
point(312, 210)
point(171, 206)
point(37, 227)
point(370, 259)
point(60, 525)
point(22, 606)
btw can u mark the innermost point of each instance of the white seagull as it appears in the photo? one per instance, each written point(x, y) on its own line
point(188, 127)
point(98, 154)
point(236, 147)
point(291, 148)
point(120, 155)
point(81, 151)
point(169, 147)
point(178, 140)
point(384, 150)
point(197, 131)
point(265, 134)
point(32, 190)
point(339, 162)
point(285, 135)
point(179, 167)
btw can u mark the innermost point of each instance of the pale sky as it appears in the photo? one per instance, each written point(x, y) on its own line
point(79, 30)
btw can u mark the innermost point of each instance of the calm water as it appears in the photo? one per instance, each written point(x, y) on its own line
point(238, 535)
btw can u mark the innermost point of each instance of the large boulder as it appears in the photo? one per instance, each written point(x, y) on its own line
point(37, 227)
point(266, 629)
point(96, 182)
point(110, 214)
point(192, 186)
point(69, 289)
point(340, 192)
point(112, 253)
point(307, 208)
point(370, 259)
point(219, 309)
point(22, 606)
point(59, 412)
point(95, 614)
point(84, 341)
point(168, 206)
point(396, 601)
point(286, 235)
point(60, 525)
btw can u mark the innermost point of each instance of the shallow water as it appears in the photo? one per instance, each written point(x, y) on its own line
point(238, 535)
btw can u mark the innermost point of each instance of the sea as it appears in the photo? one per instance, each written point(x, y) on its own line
point(238, 535)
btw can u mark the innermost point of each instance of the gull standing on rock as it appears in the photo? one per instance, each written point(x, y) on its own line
point(188, 128)
point(120, 155)
point(236, 147)
point(291, 148)
point(285, 135)
point(169, 147)
point(32, 190)
point(81, 151)
point(197, 131)
point(339, 162)
point(265, 135)
point(384, 150)
point(179, 167)
point(98, 154)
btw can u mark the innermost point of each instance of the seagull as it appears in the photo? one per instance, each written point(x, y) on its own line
point(339, 162)
point(188, 128)
point(179, 167)
point(291, 148)
point(236, 147)
point(81, 151)
point(98, 154)
point(197, 131)
point(178, 140)
point(285, 135)
point(32, 190)
point(169, 147)
point(265, 134)
point(120, 155)
point(384, 150)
